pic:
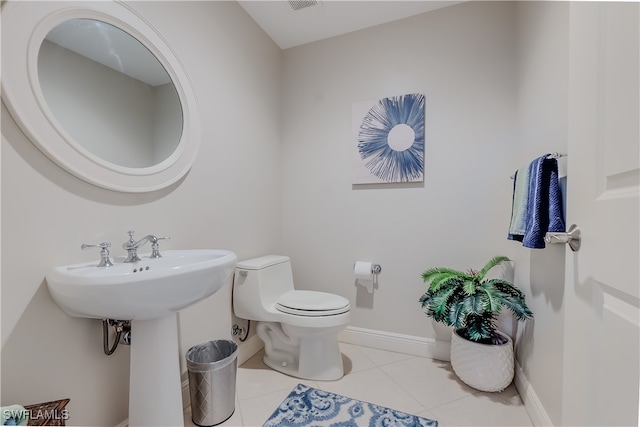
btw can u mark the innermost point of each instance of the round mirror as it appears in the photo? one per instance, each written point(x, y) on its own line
point(99, 92)
point(109, 93)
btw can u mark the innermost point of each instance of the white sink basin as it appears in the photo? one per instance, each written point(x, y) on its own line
point(147, 289)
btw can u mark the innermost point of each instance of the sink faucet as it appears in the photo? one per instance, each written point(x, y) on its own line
point(105, 261)
point(131, 246)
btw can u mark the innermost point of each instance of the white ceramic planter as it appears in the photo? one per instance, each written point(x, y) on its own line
point(484, 367)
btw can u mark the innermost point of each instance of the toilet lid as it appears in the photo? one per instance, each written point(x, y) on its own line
point(312, 303)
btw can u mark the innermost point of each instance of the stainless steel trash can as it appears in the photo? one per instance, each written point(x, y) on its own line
point(212, 370)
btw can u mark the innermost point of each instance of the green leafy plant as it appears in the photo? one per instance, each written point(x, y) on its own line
point(470, 303)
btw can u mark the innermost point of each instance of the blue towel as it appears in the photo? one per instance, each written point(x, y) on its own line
point(543, 205)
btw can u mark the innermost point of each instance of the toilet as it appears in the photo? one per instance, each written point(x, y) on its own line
point(299, 328)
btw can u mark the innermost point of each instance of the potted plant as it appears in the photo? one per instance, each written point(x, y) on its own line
point(481, 356)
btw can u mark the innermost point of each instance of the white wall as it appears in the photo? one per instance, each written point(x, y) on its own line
point(230, 199)
point(542, 107)
point(463, 59)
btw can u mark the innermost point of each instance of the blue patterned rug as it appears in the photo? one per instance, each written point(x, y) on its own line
point(308, 406)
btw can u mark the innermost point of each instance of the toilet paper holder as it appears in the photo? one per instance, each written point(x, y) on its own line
point(375, 268)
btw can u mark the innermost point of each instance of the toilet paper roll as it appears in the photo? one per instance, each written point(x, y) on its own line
point(364, 274)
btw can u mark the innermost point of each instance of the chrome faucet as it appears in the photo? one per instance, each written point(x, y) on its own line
point(131, 246)
point(105, 261)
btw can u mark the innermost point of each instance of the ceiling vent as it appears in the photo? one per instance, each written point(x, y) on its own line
point(301, 4)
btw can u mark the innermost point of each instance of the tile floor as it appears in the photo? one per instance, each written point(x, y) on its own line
point(411, 384)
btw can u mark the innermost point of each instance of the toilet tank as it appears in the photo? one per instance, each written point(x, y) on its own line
point(258, 283)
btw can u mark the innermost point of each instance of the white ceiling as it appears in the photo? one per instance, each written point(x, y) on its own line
point(288, 27)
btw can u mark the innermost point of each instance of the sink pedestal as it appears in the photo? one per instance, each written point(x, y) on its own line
point(155, 392)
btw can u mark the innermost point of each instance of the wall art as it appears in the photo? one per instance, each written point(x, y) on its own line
point(389, 139)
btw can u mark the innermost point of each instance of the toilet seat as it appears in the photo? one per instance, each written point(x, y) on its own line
point(312, 303)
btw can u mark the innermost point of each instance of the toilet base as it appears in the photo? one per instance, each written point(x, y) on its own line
point(302, 352)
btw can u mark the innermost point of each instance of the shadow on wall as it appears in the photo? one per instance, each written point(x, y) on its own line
point(364, 298)
point(546, 279)
point(547, 275)
point(506, 322)
point(32, 372)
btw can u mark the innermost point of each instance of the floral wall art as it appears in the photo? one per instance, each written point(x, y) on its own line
point(389, 140)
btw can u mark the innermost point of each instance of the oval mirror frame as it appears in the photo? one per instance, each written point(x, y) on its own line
point(27, 24)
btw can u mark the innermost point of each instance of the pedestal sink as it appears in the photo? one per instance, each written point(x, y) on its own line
point(149, 293)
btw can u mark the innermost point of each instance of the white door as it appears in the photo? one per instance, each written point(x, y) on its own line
point(602, 329)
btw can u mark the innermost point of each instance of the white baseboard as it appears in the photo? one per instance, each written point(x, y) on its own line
point(531, 401)
point(407, 344)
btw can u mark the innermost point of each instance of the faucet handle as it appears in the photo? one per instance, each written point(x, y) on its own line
point(155, 253)
point(105, 261)
point(103, 245)
point(130, 233)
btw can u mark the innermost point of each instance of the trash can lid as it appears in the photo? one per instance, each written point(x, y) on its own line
point(211, 352)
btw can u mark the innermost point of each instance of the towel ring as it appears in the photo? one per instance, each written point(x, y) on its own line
point(554, 155)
